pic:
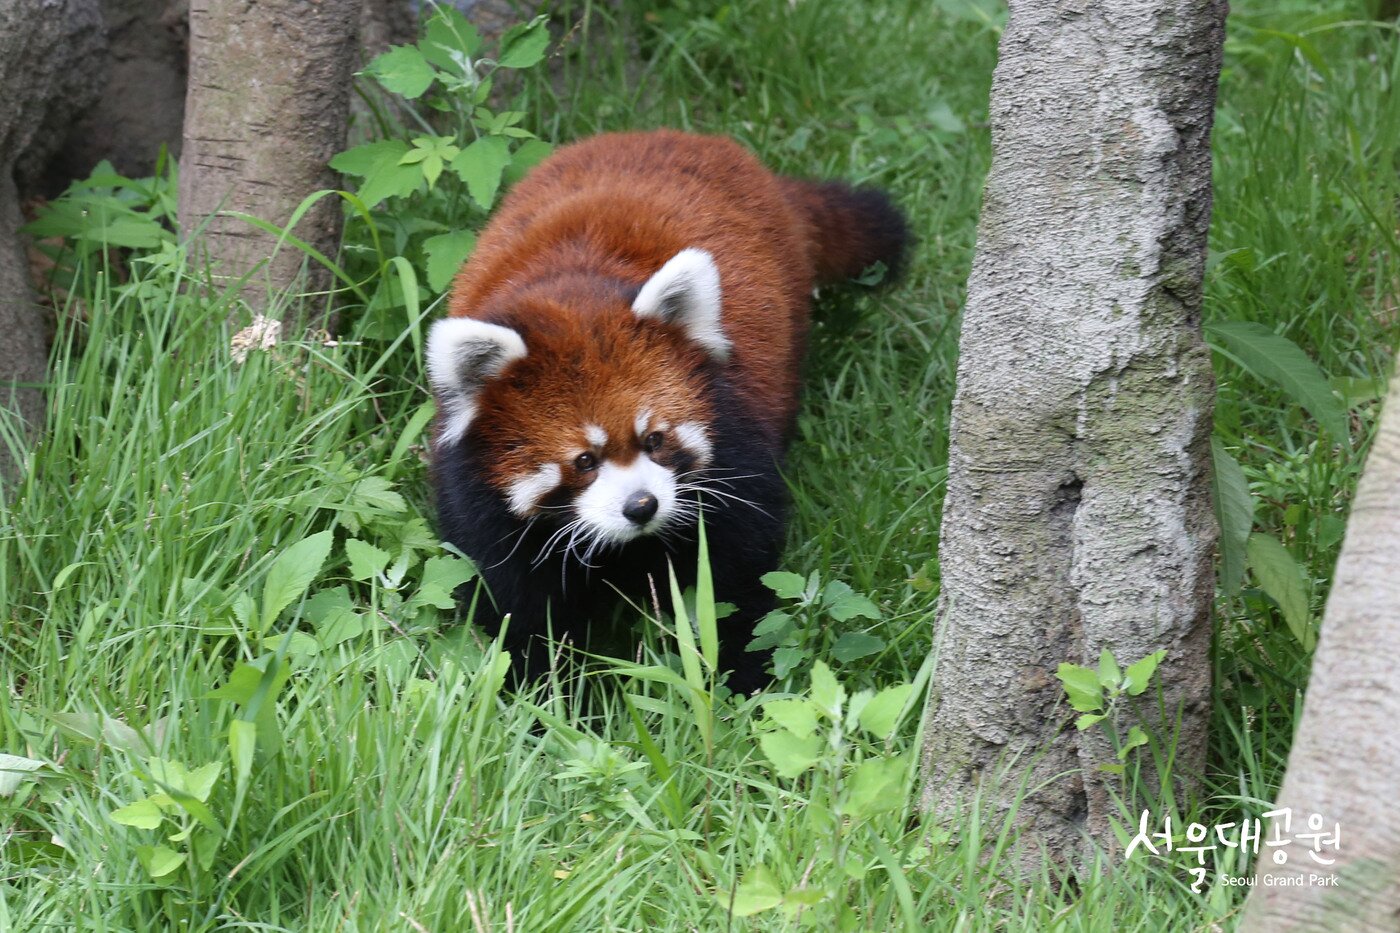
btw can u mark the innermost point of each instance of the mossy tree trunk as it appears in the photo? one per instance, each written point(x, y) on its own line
point(266, 109)
point(1078, 514)
point(1345, 764)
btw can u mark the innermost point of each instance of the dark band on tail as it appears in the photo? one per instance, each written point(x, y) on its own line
point(852, 228)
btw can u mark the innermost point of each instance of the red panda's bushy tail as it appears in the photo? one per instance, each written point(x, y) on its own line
point(851, 228)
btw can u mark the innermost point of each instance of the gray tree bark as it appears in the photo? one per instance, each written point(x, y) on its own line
point(1345, 762)
point(266, 109)
point(44, 45)
point(1078, 514)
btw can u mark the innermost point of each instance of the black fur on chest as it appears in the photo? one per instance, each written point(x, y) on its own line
point(540, 579)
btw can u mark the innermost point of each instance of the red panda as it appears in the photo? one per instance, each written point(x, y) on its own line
point(622, 352)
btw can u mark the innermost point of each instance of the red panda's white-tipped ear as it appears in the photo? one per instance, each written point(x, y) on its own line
point(463, 354)
point(685, 292)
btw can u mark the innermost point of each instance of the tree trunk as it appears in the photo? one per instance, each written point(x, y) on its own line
point(268, 99)
point(1345, 763)
point(45, 46)
point(1078, 514)
point(142, 100)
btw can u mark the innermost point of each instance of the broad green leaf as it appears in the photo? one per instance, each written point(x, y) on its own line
point(1088, 719)
point(205, 846)
point(843, 604)
point(446, 252)
point(1081, 686)
point(299, 644)
point(786, 660)
point(771, 630)
point(523, 45)
point(1280, 577)
point(379, 164)
point(98, 220)
point(403, 70)
point(368, 157)
point(200, 781)
point(170, 774)
point(1139, 673)
point(333, 616)
point(14, 770)
point(874, 785)
point(1109, 673)
point(480, 165)
point(373, 495)
point(1135, 738)
point(881, 714)
point(1274, 358)
point(196, 808)
point(786, 585)
point(365, 559)
point(432, 168)
point(827, 692)
point(759, 891)
point(291, 573)
point(441, 577)
point(1234, 511)
point(244, 608)
point(796, 716)
point(790, 755)
point(159, 861)
point(430, 153)
point(143, 814)
point(449, 40)
point(242, 742)
point(803, 898)
point(853, 645)
point(243, 682)
point(856, 705)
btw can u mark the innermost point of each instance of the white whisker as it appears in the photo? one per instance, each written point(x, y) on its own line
point(518, 541)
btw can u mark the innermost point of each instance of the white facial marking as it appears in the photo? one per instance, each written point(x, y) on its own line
point(600, 505)
point(462, 355)
point(526, 492)
point(596, 435)
point(643, 419)
point(695, 438)
point(686, 292)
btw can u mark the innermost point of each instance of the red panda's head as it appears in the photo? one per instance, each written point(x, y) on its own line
point(585, 409)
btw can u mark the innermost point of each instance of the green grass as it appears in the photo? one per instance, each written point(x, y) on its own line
point(394, 786)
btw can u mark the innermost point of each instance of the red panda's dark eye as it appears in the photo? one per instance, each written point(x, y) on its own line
point(653, 441)
point(585, 462)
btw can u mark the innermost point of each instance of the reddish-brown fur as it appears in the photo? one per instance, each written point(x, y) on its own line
point(523, 469)
point(563, 257)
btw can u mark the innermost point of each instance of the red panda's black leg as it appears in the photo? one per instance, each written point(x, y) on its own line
point(745, 538)
point(748, 670)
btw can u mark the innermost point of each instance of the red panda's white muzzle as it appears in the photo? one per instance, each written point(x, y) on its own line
point(625, 502)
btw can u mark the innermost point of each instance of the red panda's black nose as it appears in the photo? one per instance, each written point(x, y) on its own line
point(639, 508)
